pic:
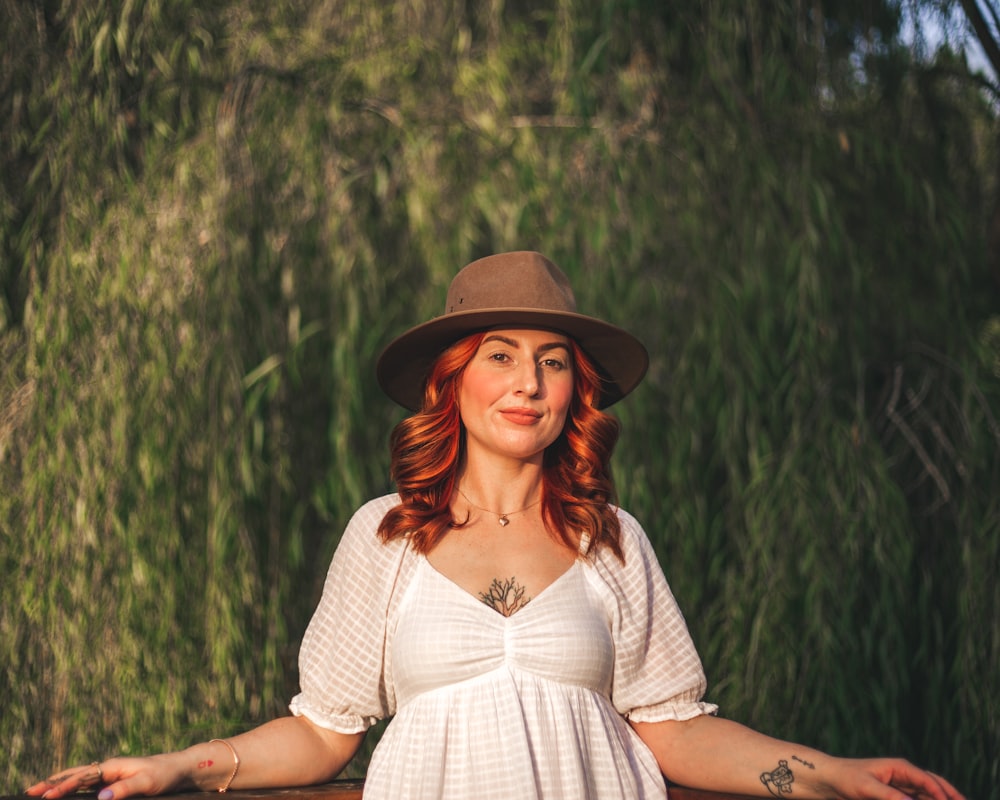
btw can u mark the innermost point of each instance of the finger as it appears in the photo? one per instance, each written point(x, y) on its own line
point(903, 781)
point(67, 781)
point(931, 787)
point(38, 788)
point(61, 784)
point(943, 789)
point(950, 790)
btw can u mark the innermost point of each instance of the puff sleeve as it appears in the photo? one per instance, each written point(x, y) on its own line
point(343, 662)
point(658, 674)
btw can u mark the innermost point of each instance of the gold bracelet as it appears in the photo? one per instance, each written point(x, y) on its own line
point(236, 765)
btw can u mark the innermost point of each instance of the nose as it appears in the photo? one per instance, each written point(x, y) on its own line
point(527, 381)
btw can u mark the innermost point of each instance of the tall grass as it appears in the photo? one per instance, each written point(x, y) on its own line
point(189, 414)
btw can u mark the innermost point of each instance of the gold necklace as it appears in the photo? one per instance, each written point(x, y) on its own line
point(502, 519)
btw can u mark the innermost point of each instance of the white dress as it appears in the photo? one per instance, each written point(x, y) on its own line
point(485, 706)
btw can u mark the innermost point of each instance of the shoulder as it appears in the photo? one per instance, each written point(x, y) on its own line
point(371, 513)
point(638, 585)
point(362, 562)
point(634, 541)
point(628, 522)
point(640, 563)
point(361, 533)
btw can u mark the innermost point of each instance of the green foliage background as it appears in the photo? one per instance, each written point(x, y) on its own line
point(213, 215)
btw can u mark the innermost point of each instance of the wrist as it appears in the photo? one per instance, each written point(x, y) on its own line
point(818, 774)
point(208, 766)
point(224, 787)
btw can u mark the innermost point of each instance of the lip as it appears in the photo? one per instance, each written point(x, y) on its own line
point(521, 416)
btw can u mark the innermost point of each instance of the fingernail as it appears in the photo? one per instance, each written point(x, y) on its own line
point(105, 794)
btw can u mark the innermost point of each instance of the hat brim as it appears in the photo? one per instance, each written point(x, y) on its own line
point(404, 364)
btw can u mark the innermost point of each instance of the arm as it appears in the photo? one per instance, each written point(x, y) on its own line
point(288, 751)
point(707, 752)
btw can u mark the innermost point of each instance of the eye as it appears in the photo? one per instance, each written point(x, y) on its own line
point(553, 363)
point(499, 357)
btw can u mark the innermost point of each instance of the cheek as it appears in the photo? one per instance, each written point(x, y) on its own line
point(561, 396)
point(475, 393)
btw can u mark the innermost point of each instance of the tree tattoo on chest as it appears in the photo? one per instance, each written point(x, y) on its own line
point(505, 597)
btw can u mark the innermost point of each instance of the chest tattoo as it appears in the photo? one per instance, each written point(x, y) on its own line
point(505, 597)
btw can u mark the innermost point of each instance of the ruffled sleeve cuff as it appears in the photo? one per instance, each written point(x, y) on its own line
point(672, 711)
point(341, 723)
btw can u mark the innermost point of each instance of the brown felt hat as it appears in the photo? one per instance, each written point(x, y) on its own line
point(510, 290)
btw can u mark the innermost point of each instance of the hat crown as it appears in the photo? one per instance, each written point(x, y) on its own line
point(510, 290)
point(510, 280)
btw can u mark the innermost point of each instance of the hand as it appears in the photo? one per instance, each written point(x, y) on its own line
point(890, 779)
point(69, 780)
point(117, 778)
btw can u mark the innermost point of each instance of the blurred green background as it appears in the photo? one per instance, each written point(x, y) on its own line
point(213, 215)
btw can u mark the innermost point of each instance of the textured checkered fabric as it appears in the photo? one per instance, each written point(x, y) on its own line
point(533, 705)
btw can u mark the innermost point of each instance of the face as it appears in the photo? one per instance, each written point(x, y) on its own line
point(515, 393)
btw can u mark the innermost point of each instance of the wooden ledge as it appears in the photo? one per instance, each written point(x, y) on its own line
point(351, 790)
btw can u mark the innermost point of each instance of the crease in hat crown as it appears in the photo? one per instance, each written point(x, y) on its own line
point(510, 290)
point(519, 280)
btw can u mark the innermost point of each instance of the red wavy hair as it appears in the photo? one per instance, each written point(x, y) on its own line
point(427, 449)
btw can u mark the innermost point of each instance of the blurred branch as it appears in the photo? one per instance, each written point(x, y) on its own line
point(912, 438)
point(552, 121)
point(13, 412)
point(984, 404)
point(963, 74)
point(983, 31)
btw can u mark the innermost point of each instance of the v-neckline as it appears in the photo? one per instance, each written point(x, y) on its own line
point(479, 602)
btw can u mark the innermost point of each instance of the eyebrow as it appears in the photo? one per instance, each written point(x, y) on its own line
point(496, 337)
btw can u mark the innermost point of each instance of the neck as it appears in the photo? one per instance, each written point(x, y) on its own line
point(503, 517)
point(502, 492)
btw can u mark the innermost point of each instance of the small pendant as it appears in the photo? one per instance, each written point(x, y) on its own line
point(504, 522)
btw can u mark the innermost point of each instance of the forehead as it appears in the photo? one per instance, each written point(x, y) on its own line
point(527, 337)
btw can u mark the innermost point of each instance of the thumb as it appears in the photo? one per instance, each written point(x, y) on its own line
point(115, 791)
point(130, 786)
point(120, 790)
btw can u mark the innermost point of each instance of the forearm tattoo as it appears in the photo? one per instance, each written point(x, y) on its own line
point(779, 781)
point(505, 597)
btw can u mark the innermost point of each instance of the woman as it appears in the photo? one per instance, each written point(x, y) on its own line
point(509, 617)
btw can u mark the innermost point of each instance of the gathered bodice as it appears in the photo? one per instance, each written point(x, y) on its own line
point(444, 635)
